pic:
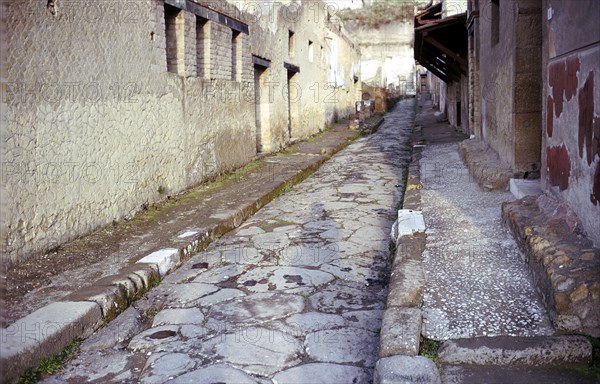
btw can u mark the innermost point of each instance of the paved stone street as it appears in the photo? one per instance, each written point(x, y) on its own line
point(477, 282)
point(294, 295)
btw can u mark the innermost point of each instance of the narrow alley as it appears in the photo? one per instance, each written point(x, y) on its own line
point(295, 294)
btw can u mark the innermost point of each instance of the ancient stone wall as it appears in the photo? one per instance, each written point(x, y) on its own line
point(456, 100)
point(385, 34)
point(474, 89)
point(497, 76)
point(110, 106)
point(571, 103)
point(509, 49)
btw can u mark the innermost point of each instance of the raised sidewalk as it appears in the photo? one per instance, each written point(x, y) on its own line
point(72, 291)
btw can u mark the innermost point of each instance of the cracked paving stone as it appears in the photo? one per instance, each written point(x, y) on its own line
point(332, 226)
point(249, 231)
point(224, 294)
point(153, 338)
point(349, 271)
point(304, 323)
point(340, 298)
point(161, 367)
point(369, 320)
point(193, 267)
point(185, 295)
point(193, 331)
point(368, 234)
point(312, 255)
point(270, 240)
point(124, 327)
point(286, 229)
point(218, 373)
point(97, 366)
point(340, 346)
point(248, 254)
point(259, 351)
point(335, 234)
point(265, 279)
point(221, 273)
point(322, 373)
point(350, 248)
point(174, 316)
point(256, 308)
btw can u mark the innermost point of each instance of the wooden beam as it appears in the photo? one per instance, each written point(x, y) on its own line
point(446, 50)
point(436, 71)
point(446, 62)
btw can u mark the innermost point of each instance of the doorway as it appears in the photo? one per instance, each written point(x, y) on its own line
point(261, 110)
point(293, 101)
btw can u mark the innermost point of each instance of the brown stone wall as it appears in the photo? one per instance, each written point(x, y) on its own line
point(527, 91)
point(474, 90)
point(377, 94)
point(571, 104)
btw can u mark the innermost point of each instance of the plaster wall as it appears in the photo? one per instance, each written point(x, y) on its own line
point(387, 53)
point(571, 104)
point(110, 106)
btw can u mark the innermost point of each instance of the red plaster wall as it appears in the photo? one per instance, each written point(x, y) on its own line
point(559, 166)
point(571, 138)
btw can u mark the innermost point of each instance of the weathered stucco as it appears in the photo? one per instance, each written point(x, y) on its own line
point(387, 54)
point(509, 62)
point(98, 122)
point(571, 134)
point(386, 45)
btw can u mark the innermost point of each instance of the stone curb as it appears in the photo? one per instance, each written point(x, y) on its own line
point(402, 320)
point(84, 311)
point(517, 351)
point(406, 370)
point(43, 333)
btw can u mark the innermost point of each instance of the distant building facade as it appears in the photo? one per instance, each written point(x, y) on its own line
point(384, 32)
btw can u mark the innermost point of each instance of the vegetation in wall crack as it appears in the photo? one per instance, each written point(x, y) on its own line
point(429, 349)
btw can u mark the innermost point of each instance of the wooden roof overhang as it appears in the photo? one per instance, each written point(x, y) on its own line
point(441, 45)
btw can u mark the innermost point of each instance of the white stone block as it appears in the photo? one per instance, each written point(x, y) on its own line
point(521, 187)
point(166, 260)
point(409, 222)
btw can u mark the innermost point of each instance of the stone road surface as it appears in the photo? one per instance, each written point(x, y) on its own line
point(294, 295)
point(477, 281)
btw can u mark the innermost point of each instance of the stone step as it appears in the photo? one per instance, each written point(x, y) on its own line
point(521, 187)
point(464, 374)
point(510, 351)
